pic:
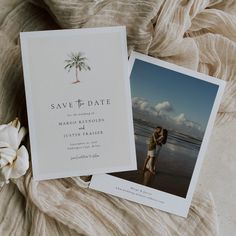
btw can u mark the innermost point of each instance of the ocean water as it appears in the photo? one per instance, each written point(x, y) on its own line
point(175, 163)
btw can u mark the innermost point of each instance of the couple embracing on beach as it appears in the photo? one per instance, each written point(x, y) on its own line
point(157, 139)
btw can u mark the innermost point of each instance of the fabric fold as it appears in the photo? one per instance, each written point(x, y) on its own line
point(199, 35)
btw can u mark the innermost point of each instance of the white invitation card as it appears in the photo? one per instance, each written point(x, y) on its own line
point(78, 102)
point(173, 112)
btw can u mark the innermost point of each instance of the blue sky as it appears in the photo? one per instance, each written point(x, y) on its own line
point(188, 95)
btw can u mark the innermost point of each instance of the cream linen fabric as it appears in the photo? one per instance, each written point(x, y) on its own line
point(197, 34)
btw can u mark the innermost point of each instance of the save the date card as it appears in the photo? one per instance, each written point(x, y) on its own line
point(78, 101)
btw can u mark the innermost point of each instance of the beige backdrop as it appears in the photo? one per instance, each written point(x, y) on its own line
point(197, 34)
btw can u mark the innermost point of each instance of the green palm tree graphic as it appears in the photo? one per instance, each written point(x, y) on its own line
point(77, 61)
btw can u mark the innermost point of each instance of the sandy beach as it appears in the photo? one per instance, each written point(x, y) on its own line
point(174, 167)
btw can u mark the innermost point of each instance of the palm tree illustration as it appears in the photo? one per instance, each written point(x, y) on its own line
point(77, 61)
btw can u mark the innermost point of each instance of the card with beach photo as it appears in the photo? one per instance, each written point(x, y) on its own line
point(173, 113)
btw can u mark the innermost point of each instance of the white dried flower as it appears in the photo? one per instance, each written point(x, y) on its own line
point(14, 160)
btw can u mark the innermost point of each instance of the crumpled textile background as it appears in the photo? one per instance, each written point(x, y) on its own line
point(197, 34)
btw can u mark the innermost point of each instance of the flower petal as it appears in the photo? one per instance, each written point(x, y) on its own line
point(21, 135)
point(9, 134)
point(21, 164)
point(3, 144)
point(2, 127)
point(15, 123)
point(7, 156)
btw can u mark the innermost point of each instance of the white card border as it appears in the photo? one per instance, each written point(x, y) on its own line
point(24, 36)
point(167, 202)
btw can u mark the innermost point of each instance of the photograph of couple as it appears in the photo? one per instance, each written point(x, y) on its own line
point(170, 114)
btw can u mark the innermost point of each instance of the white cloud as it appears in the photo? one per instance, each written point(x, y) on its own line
point(160, 114)
point(163, 107)
point(143, 105)
point(138, 102)
point(180, 119)
point(189, 124)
